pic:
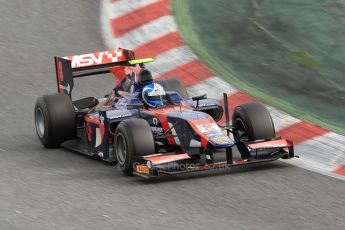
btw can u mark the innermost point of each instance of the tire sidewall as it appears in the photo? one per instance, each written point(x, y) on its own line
point(257, 121)
point(139, 142)
point(41, 104)
point(127, 166)
point(59, 119)
point(239, 114)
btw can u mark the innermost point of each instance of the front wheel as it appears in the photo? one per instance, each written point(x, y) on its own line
point(252, 122)
point(133, 138)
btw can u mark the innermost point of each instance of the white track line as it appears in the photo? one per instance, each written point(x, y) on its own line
point(302, 163)
point(170, 60)
point(123, 7)
point(104, 12)
point(141, 35)
point(214, 88)
point(281, 119)
point(325, 153)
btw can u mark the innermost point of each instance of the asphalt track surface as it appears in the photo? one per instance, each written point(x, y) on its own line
point(60, 189)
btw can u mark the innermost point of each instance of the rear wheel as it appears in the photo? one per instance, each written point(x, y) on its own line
point(55, 119)
point(133, 137)
point(175, 85)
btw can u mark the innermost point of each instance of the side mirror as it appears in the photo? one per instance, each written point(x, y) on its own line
point(199, 97)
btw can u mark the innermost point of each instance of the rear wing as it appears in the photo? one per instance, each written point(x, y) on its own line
point(70, 67)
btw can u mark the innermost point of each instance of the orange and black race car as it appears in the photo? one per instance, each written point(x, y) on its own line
point(151, 127)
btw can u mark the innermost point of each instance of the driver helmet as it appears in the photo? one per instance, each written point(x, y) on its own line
point(154, 95)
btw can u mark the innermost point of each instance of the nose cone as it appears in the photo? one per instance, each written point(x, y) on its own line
point(211, 133)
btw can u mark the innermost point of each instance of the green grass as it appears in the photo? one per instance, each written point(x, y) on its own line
point(301, 58)
point(304, 59)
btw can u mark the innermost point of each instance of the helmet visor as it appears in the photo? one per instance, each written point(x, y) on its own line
point(158, 98)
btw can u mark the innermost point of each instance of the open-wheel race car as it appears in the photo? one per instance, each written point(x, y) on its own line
point(151, 127)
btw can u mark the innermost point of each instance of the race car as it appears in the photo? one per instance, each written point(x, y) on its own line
point(149, 127)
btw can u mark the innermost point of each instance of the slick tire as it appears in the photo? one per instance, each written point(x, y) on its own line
point(252, 122)
point(133, 137)
point(175, 85)
point(55, 119)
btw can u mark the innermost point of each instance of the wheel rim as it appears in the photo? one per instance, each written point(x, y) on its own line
point(39, 122)
point(121, 150)
point(241, 130)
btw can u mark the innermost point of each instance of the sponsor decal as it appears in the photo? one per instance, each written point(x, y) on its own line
point(204, 128)
point(120, 116)
point(155, 121)
point(271, 144)
point(142, 169)
point(204, 105)
point(268, 145)
point(221, 140)
point(163, 159)
point(218, 137)
point(156, 130)
point(99, 58)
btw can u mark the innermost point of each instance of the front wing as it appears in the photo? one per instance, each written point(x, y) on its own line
point(180, 163)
